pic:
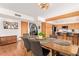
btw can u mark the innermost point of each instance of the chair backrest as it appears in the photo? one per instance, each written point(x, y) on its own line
point(26, 35)
point(69, 34)
point(36, 48)
point(27, 43)
point(59, 33)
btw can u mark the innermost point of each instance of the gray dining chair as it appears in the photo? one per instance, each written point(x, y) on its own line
point(26, 35)
point(36, 48)
point(26, 44)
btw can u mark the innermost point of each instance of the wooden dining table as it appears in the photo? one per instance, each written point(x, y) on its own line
point(67, 50)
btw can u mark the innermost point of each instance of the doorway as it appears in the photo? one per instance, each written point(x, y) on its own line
point(24, 27)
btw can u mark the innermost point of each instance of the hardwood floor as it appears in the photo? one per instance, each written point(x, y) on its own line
point(16, 49)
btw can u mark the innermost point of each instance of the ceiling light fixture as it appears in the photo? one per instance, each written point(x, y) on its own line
point(43, 6)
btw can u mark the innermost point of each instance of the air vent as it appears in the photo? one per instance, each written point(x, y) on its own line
point(17, 15)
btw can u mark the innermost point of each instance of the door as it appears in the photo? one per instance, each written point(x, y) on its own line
point(24, 27)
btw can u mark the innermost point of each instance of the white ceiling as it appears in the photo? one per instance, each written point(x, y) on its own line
point(66, 20)
point(32, 9)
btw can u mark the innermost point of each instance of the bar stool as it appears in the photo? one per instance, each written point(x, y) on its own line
point(76, 36)
point(78, 39)
point(60, 35)
point(70, 36)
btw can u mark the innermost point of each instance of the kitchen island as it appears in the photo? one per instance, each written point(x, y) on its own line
point(73, 36)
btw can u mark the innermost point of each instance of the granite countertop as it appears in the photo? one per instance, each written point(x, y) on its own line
point(70, 32)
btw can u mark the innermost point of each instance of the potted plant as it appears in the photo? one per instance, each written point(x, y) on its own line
point(41, 35)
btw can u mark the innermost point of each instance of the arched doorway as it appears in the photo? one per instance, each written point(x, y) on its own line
point(33, 29)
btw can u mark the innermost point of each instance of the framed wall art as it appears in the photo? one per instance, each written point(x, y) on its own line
point(10, 25)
